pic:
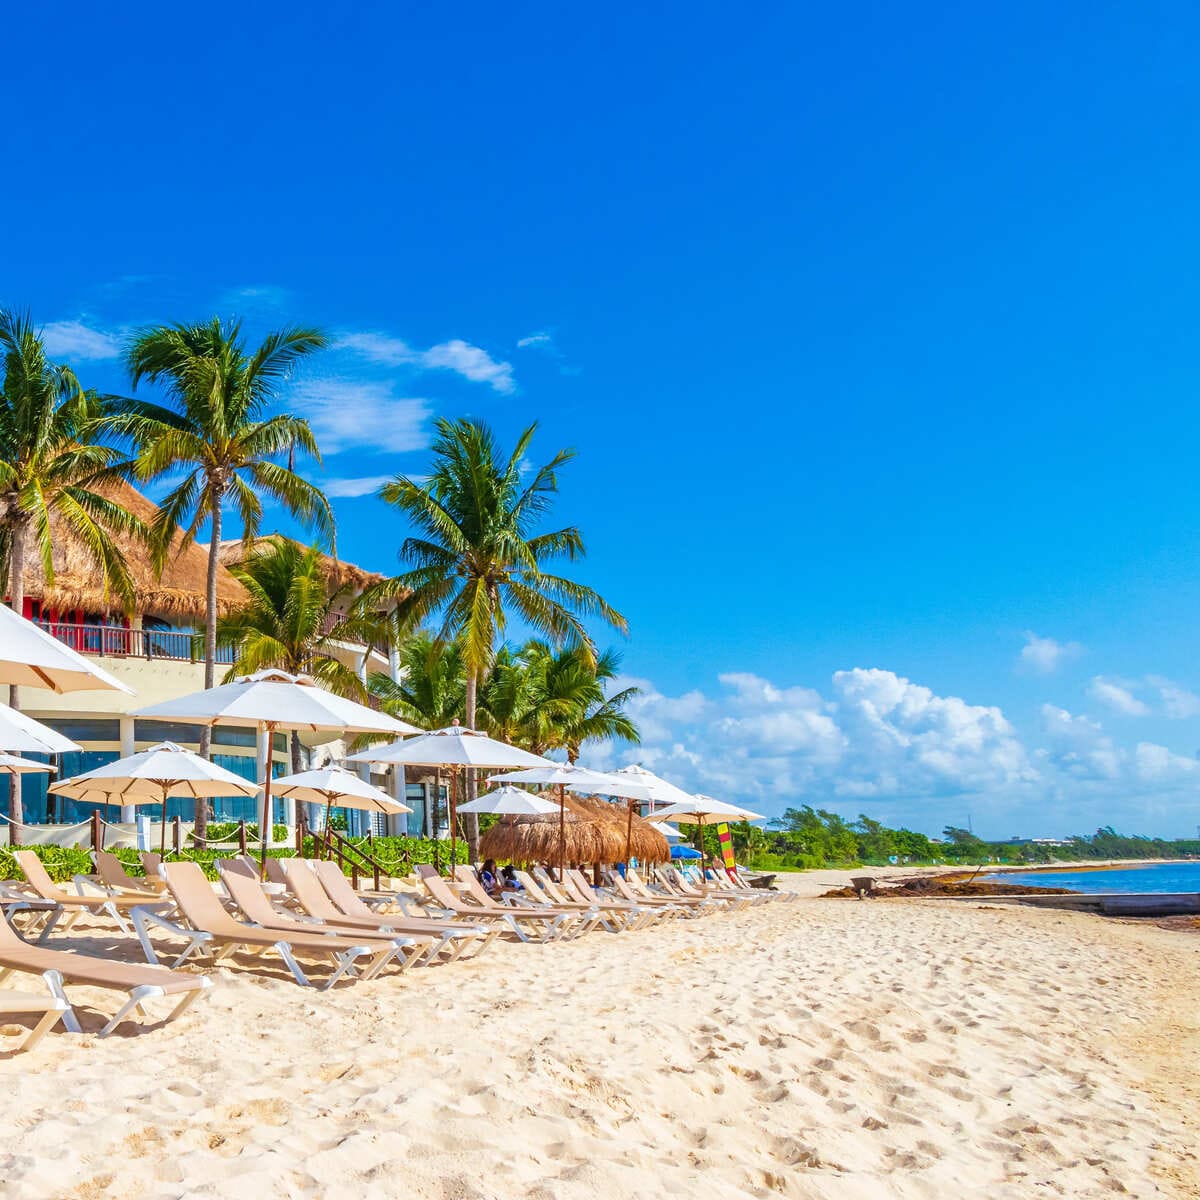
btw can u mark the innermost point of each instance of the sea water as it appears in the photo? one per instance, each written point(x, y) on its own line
point(1154, 877)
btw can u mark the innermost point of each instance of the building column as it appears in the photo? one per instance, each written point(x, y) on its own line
point(128, 745)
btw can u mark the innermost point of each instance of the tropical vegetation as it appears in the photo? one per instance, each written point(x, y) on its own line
point(218, 429)
point(479, 554)
point(54, 462)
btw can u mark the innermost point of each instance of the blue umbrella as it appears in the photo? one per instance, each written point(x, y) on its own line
point(681, 851)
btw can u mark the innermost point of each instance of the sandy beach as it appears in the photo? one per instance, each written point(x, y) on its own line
point(819, 1049)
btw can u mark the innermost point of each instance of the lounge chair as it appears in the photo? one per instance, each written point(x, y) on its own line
point(636, 915)
point(52, 1009)
point(546, 923)
point(210, 927)
point(59, 967)
point(151, 864)
point(249, 896)
point(721, 883)
point(631, 887)
point(533, 893)
point(111, 874)
point(323, 891)
point(116, 907)
point(44, 914)
point(577, 923)
point(677, 885)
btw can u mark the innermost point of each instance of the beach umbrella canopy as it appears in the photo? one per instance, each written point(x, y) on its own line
point(10, 764)
point(277, 700)
point(22, 733)
point(271, 700)
point(152, 776)
point(658, 790)
point(454, 746)
point(336, 785)
point(510, 801)
point(30, 657)
point(701, 810)
point(333, 785)
point(682, 851)
point(669, 831)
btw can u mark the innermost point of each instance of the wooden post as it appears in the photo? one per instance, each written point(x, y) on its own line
point(242, 835)
point(178, 835)
point(354, 875)
point(97, 843)
point(300, 828)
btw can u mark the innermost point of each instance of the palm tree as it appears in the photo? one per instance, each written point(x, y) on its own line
point(52, 462)
point(432, 686)
point(290, 621)
point(585, 712)
point(219, 431)
point(546, 699)
point(475, 553)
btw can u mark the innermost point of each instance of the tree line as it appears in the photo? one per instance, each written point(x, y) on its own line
point(478, 554)
point(810, 837)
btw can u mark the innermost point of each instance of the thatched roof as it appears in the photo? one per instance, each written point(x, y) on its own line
point(594, 830)
point(340, 576)
point(78, 583)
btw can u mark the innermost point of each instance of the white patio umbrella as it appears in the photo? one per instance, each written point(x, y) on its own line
point(10, 764)
point(152, 776)
point(30, 657)
point(658, 790)
point(510, 801)
point(457, 748)
point(269, 701)
point(332, 785)
point(22, 733)
point(700, 809)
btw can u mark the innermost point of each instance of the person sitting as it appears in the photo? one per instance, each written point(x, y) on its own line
point(509, 880)
point(489, 877)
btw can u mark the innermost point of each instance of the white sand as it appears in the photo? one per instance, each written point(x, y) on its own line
point(818, 1049)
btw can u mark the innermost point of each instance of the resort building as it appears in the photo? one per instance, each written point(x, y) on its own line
point(158, 651)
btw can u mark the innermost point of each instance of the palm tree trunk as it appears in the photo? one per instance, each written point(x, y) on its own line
point(16, 591)
point(472, 826)
point(210, 643)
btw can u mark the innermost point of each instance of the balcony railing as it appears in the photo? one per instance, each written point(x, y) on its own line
point(112, 641)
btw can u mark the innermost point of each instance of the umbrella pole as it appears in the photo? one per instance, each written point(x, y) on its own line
point(328, 836)
point(437, 803)
point(629, 833)
point(264, 830)
point(453, 819)
point(562, 833)
point(162, 839)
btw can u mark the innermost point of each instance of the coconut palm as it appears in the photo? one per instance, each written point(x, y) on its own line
point(576, 703)
point(476, 553)
point(53, 462)
point(546, 699)
point(290, 621)
point(219, 432)
point(432, 684)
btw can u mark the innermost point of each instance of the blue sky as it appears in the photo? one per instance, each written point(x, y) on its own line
point(875, 331)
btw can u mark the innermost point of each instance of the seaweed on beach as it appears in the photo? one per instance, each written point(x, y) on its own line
point(943, 885)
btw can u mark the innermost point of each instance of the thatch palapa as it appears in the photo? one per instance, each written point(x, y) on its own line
point(339, 576)
point(594, 832)
point(78, 583)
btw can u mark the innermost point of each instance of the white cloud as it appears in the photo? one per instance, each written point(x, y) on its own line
point(878, 742)
point(536, 341)
point(361, 485)
point(1117, 694)
point(458, 356)
point(1078, 745)
point(354, 414)
point(1177, 702)
point(1044, 655)
point(74, 339)
point(472, 363)
point(1157, 764)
